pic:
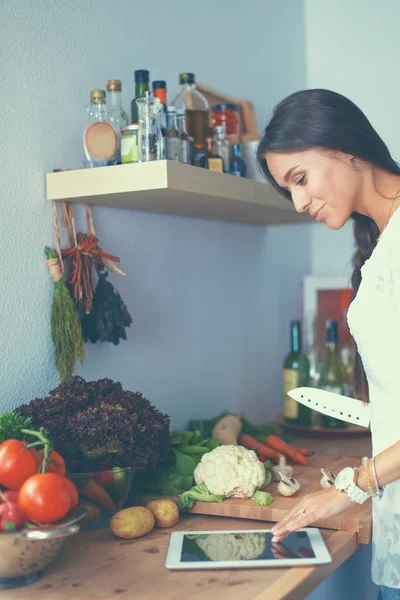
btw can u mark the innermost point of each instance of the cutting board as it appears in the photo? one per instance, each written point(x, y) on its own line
point(357, 519)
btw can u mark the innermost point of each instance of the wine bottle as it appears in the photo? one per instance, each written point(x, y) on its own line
point(333, 377)
point(348, 355)
point(296, 370)
point(314, 359)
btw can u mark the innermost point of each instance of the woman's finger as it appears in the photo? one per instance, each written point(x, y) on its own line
point(308, 504)
point(298, 521)
point(290, 515)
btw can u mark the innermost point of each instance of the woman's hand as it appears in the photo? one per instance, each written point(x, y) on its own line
point(323, 504)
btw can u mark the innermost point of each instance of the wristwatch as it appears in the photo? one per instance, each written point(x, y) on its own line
point(346, 481)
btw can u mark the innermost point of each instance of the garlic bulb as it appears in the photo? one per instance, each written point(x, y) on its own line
point(327, 479)
point(282, 467)
point(288, 486)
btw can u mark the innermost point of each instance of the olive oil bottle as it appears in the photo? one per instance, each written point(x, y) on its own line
point(296, 369)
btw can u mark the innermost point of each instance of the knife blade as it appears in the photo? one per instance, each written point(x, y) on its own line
point(333, 405)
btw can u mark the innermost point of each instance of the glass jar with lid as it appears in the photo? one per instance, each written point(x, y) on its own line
point(227, 116)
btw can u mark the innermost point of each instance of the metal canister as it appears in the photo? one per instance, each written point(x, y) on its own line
point(129, 144)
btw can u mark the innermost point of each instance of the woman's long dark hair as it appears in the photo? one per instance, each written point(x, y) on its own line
point(325, 119)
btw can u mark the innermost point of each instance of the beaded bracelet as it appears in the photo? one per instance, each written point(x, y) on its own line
point(378, 489)
point(372, 489)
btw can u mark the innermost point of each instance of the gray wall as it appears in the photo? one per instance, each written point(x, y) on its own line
point(203, 295)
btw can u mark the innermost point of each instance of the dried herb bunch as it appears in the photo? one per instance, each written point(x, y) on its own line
point(98, 424)
point(66, 329)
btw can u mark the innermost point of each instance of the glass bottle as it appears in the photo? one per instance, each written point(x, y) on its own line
point(173, 137)
point(118, 116)
point(228, 116)
point(313, 353)
point(332, 372)
point(221, 146)
point(160, 91)
point(197, 110)
point(314, 360)
point(100, 140)
point(348, 356)
point(237, 166)
point(295, 374)
point(149, 136)
point(211, 160)
point(184, 139)
point(141, 87)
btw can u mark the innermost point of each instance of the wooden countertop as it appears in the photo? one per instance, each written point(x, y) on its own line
point(97, 566)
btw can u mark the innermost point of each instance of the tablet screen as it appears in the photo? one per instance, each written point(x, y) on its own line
point(243, 546)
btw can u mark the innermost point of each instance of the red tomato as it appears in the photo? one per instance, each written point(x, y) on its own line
point(10, 515)
point(17, 464)
point(10, 496)
point(45, 498)
point(104, 477)
point(73, 493)
point(56, 464)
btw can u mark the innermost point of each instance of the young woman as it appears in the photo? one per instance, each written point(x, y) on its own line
point(321, 153)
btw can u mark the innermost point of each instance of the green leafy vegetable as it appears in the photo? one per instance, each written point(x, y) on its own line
point(11, 425)
point(184, 463)
point(211, 443)
point(176, 484)
point(262, 498)
point(98, 424)
point(259, 432)
point(174, 474)
point(198, 493)
point(194, 450)
point(268, 473)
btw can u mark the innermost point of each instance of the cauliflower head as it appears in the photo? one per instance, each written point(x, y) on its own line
point(233, 546)
point(231, 471)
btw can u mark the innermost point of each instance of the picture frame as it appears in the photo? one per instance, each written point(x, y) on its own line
point(325, 298)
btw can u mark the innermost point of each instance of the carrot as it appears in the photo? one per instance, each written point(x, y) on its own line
point(97, 494)
point(262, 450)
point(305, 451)
point(282, 447)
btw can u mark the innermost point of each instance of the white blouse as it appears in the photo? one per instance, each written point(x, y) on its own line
point(374, 322)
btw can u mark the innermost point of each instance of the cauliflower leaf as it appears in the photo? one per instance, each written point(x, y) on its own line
point(262, 498)
point(198, 493)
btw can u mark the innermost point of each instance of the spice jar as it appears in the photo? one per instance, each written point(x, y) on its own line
point(129, 144)
point(227, 116)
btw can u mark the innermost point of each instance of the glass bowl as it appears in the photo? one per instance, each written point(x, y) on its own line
point(102, 494)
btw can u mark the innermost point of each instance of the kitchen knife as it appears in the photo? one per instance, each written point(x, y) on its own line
point(333, 405)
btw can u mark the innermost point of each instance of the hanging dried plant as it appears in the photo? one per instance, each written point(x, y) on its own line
point(109, 316)
point(66, 328)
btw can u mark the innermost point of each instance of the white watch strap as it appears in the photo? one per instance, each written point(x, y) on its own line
point(356, 494)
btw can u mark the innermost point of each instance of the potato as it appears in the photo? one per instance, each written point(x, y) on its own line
point(165, 512)
point(132, 522)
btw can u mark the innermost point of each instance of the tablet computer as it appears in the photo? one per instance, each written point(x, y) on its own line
point(241, 549)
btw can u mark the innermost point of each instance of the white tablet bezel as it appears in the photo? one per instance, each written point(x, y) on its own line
point(173, 561)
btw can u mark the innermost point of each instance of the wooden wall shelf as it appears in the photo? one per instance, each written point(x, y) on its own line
point(174, 188)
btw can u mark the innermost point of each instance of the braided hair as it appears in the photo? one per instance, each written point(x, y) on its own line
point(320, 118)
